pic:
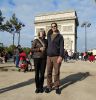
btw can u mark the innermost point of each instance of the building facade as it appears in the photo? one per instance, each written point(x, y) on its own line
point(67, 25)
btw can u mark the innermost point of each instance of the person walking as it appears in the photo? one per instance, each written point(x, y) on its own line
point(39, 47)
point(55, 54)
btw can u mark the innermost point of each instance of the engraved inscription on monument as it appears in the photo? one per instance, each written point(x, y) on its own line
point(67, 29)
point(68, 44)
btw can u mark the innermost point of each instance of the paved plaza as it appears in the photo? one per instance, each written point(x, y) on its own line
point(78, 82)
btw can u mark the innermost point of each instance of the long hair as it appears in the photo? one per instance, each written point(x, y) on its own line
point(56, 26)
point(42, 30)
point(50, 31)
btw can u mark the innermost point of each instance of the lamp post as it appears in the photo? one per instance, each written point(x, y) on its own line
point(85, 25)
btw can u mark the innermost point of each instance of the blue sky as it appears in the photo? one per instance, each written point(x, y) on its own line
point(26, 10)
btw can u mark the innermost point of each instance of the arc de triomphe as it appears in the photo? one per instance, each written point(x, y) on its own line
point(67, 25)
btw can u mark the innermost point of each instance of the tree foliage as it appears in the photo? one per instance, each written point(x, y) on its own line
point(11, 48)
point(1, 21)
point(26, 49)
point(13, 26)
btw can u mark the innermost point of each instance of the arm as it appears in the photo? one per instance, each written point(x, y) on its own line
point(59, 60)
point(34, 48)
point(61, 46)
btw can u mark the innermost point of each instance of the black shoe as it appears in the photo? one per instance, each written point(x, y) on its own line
point(41, 90)
point(19, 69)
point(58, 91)
point(30, 70)
point(24, 71)
point(47, 90)
point(37, 91)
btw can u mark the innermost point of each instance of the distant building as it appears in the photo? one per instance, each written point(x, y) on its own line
point(67, 24)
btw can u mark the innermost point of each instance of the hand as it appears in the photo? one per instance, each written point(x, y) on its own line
point(59, 60)
point(42, 49)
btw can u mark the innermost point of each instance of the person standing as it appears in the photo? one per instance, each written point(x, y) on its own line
point(55, 54)
point(39, 51)
point(23, 63)
point(65, 55)
point(18, 48)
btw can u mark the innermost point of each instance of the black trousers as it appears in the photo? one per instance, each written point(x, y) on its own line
point(40, 65)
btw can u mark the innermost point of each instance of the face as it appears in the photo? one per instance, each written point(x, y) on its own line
point(54, 27)
point(41, 34)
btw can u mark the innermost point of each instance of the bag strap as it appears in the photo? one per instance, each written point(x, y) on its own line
point(41, 42)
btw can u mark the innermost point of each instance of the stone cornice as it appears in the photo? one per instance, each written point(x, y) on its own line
point(55, 13)
point(51, 20)
point(59, 16)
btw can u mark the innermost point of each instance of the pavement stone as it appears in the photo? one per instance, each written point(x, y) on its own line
point(78, 82)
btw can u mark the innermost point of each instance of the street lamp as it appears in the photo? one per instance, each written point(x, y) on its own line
point(86, 24)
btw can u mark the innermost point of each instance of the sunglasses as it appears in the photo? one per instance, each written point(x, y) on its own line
point(53, 26)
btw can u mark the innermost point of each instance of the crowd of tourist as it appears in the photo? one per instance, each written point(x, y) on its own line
point(3, 56)
point(84, 56)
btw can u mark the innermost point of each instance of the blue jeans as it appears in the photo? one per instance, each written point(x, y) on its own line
point(17, 60)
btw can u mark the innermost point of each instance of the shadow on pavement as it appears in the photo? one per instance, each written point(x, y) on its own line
point(6, 68)
point(9, 68)
point(16, 86)
point(13, 69)
point(73, 78)
point(71, 61)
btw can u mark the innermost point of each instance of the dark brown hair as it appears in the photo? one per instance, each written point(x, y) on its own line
point(56, 26)
point(54, 23)
point(50, 31)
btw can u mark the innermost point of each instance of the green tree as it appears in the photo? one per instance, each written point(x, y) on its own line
point(10, 49)
point(17, 26)
point(14, 26)
point(1, 21)
point(26, 49)
point(10, 28)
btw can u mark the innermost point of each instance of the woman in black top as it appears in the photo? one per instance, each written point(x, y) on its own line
point(39, 47)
